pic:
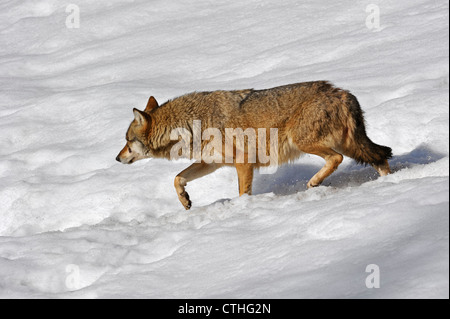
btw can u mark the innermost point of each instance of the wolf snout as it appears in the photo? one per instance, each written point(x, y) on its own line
point(118, 159)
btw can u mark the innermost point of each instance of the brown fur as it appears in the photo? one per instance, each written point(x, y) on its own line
point(311, 117)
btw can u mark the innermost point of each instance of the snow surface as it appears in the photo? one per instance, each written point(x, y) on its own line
point(74, 223)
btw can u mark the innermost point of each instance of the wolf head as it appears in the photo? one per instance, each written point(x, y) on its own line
point(137, 147)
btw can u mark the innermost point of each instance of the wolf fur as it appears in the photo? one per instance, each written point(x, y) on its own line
point(311, 117)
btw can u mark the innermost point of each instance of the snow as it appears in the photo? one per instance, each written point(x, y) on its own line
point(74, 223)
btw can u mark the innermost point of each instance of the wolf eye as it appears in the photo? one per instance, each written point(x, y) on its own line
point(129, 149)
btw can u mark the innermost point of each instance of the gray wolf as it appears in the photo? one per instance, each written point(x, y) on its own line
point(310, 117)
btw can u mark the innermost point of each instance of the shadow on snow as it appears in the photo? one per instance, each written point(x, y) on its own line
point(292, 178)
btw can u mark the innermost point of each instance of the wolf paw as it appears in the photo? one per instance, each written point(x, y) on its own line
point(185, 201)
point(311, 185)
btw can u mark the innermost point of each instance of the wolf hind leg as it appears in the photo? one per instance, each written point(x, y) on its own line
point(382, 169)
point(332, 161)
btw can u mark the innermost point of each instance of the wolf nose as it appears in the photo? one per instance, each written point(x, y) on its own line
point(118, 158)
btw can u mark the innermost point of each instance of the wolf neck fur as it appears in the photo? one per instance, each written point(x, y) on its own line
point(181, 111)
point(159, 135)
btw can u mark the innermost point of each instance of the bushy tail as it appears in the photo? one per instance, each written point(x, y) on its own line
point(359, 146)
point(367, 152)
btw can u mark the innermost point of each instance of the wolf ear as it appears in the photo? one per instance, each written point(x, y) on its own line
point(151, 104)
point(140, 117)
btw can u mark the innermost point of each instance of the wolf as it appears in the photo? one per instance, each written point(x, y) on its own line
point(311, 117)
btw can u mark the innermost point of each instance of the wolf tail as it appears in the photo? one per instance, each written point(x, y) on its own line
point(358, 145)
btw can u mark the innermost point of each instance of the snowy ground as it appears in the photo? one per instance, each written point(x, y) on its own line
point(74, 223)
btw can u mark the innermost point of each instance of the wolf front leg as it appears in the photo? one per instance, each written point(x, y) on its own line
point(245, 177)
point(191, 173)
